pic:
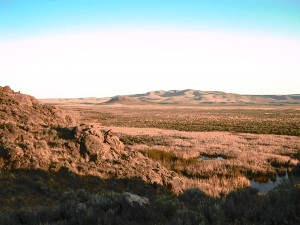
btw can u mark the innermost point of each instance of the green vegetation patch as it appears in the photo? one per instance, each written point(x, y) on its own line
point(144, 139)
point(170, 160)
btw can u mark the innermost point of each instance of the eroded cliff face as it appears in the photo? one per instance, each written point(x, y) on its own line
point(37, 136)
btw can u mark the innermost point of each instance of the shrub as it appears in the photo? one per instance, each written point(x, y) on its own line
point(187, 217)
point(193, 198)
point(166, 206)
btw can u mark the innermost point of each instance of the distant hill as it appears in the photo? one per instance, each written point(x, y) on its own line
point(186, 97)
point(126, 100)
point(196, 97)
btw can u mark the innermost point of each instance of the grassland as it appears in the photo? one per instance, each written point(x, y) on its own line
point(255, 141)
point(282, 120)
point(246, 156)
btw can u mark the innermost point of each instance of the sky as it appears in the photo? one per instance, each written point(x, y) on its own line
point(101, 48)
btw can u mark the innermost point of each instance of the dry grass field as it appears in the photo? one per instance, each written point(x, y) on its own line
point(250, 141)
point(283, 120)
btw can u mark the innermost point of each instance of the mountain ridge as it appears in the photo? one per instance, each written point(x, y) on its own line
point(187, 97)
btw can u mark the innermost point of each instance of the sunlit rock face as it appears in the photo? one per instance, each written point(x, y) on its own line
point(38, 136)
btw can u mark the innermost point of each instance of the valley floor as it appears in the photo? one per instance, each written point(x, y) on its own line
point(215, 148)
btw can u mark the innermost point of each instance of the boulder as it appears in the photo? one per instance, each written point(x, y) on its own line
point(135, 207)
point(84, 130)
point(93, 147)
point(7, 89)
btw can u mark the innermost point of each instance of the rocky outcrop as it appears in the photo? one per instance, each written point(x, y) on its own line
point(92, 146)
point(26, 112)
point(37, 136)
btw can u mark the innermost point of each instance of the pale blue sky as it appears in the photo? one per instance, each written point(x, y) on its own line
point(103, 48)
point(20, 17)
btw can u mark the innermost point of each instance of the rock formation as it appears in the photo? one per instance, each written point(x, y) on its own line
point(38, 136)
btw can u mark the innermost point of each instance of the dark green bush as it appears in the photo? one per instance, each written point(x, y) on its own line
point(166, 206)
point(187, 217)
point(193, 198)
